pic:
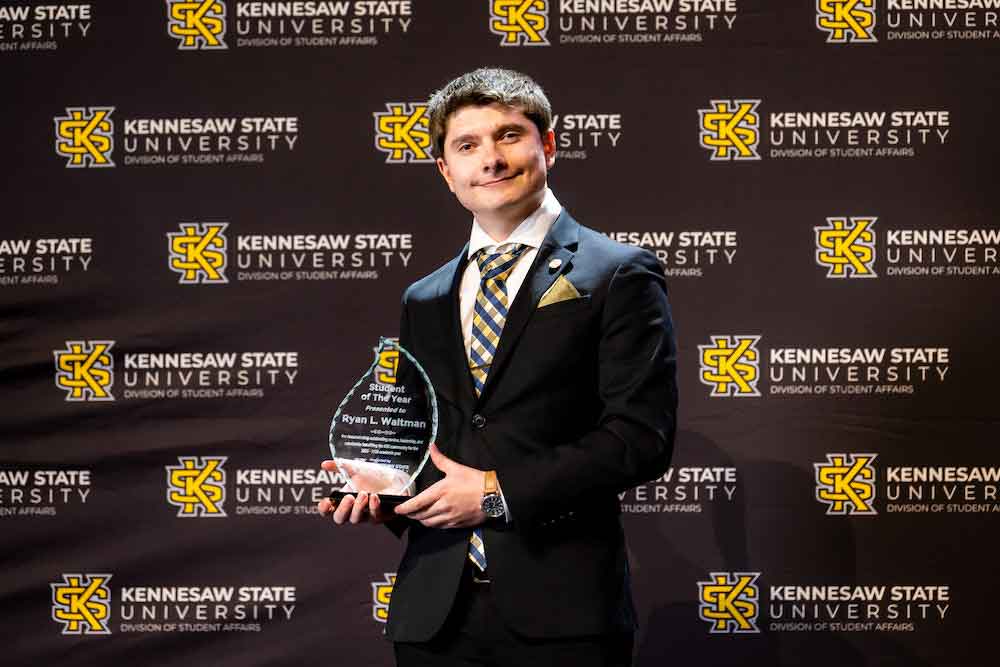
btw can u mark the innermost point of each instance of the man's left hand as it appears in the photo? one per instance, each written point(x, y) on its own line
point(453, 502)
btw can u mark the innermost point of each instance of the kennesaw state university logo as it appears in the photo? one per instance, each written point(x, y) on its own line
point(81, 603)
point(197, 24)
point(85, 370)
point(198, 253)
point(845, 483)
point(730, 129)
point(197, 486)
point(846, 20)
point(730, 602)
point(845, 247)
point(730, 365)
point(381, 594)
point(85, 137)
point(520, 22)
point(403, 132)
point(388, 366)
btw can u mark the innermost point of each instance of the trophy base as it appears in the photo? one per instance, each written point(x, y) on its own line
point(387, 502)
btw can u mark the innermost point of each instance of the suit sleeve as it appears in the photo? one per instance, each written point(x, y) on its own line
point(633, 439)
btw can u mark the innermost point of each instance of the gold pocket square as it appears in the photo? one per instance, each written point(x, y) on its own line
point(561, 290)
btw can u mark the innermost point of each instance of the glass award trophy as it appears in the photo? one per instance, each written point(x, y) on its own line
point(382, 430)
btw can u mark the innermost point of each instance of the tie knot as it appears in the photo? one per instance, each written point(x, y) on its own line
point(498, 265)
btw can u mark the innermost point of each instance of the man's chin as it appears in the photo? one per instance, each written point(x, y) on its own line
point(502, 202)
point(496, 205)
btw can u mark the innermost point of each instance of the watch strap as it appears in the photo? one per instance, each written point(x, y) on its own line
point(490, 484)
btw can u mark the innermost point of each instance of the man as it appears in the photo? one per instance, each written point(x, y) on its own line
point(551, 350)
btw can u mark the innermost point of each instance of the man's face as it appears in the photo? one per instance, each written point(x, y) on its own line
point(495, 161)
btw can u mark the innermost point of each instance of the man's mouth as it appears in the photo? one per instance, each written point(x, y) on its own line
point(497, 181)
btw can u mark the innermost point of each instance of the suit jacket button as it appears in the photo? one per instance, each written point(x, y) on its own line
point(478, 421)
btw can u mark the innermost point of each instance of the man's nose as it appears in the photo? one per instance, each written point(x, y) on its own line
point(493, 159)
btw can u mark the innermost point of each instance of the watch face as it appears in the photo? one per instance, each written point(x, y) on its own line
point(493, 506)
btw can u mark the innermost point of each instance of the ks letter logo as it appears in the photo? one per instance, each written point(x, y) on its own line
point(731, 365)
point(381, 594)
point(730, 602)
point(82, 604)
point(731, 129)
point(520, 22)
point(846, 20)
point(846, 484)
point(85, 137)
point(85, 369)
point(846, 247)
point(198, 253)
point(197, 487)
point(197, 24)
point(403, 132)
point(387, 366)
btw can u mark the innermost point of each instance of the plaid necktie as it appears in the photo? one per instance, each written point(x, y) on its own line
point(488, 319)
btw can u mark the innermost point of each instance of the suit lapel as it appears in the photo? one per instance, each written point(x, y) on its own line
point(559, 244)
point(466, 392)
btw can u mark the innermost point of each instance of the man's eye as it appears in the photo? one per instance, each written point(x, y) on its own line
point(464, 147)
point(510, 135)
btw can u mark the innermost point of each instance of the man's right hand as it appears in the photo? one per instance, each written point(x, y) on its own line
point(364, 508)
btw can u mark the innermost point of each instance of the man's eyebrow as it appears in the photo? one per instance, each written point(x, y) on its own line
point(506, 127)
point(462, 138)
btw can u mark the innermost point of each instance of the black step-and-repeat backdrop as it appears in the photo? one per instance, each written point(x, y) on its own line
point(212, 207)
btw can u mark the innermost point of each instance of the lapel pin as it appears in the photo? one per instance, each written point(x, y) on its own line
point(555, 264)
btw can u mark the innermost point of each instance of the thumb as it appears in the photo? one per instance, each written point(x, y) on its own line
point(440, 461)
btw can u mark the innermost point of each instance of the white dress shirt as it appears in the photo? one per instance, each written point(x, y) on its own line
point(530, 232)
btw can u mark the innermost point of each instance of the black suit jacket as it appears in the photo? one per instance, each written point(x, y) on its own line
point(579, 405)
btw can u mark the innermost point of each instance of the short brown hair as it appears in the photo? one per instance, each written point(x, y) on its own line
point(487, 85)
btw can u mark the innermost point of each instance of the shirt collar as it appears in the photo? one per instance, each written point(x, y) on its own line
point(530, 232)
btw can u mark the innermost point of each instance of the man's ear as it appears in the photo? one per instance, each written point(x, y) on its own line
point(549, 148)
point(445, 172)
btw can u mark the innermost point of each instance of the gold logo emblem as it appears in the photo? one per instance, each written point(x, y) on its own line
point(198, 253)
point(846, 247)
point(381, 593)
point(85, 370)
point(85, 137)
point(846, 20)
point(731, 365)
point(197, 487)
point(731, 129)
point(730, 602)
point(846, 483)
point(403, 132)
point(197, 24)
point(82, 604)
point(388, 364)
point(520, 22)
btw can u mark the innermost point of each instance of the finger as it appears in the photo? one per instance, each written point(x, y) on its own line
point(375, 508)
point(343, 510)
point(325, 506)
point(360, 508)
point(440, 510)
point(422, 500)
point(443, 520)
point(427, 512)
point(329, 465)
